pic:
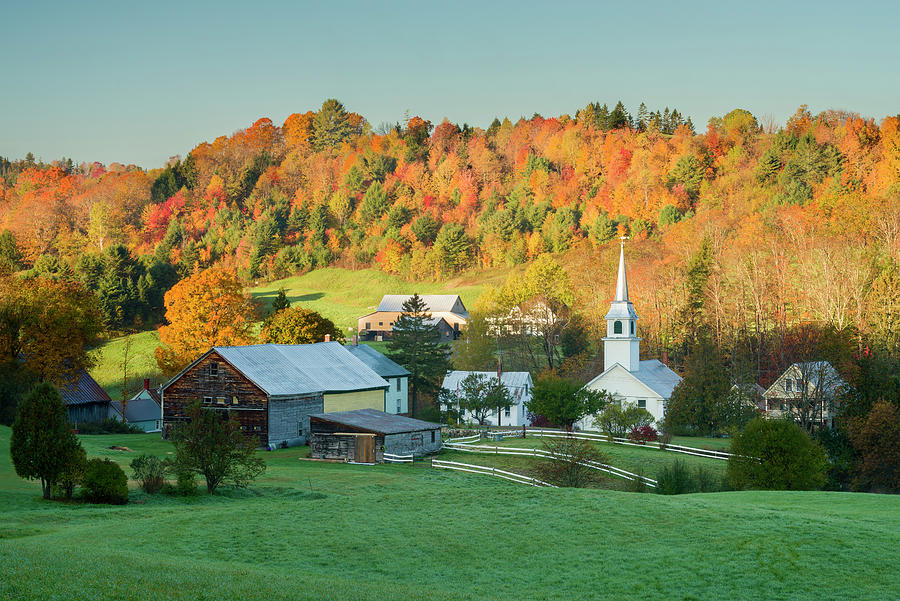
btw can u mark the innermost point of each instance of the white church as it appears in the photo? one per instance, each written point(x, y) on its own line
point(647, 384)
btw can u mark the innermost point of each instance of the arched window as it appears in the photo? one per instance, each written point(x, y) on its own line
point(632, 328)
point(617, 327)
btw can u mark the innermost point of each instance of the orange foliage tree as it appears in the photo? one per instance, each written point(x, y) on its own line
point(207, 309)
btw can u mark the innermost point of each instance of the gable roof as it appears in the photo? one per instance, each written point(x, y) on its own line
point(84, 389)
point(372, 420)
point(290, 369)
point(378, 362)
point(653, 374)
point(518, 382)
point(434, 302)
point(140, 410)
point(812, 372)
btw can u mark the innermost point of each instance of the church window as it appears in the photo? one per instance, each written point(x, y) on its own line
point(642, 403)
point(632, 328)
point(617, 327)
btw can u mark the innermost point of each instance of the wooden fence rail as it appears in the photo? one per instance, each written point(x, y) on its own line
point(534, 452)
point(489, 471)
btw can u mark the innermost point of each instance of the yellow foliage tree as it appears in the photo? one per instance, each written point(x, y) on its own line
point(208, 309)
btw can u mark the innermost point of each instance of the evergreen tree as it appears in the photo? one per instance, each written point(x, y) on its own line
point(642, 117)
point(331, 125)
point(619, 117)
point(415, 345)
point(10, 257)
point(43, 444)
point(281, 302)
point(453, 249)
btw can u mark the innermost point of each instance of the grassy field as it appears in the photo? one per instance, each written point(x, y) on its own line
point(311, 530)
point(339, 294)
point(343, 295)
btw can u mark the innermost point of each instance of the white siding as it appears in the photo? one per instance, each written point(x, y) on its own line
point(394, 397)
point(625, 387)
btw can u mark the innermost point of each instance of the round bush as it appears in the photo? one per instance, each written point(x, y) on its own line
point(775, 455)
point(105, 482)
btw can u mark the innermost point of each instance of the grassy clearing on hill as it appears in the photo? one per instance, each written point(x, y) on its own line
point(412, 532)
point(110, 357)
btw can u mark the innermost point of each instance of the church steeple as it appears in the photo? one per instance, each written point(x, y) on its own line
point(621, 344)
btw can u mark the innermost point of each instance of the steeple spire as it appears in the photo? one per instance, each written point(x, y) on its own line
point(622, 281)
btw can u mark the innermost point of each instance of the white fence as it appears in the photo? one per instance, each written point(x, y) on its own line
point(495, 450)
point(489, 471)
point(392, 458)
point(599, 437)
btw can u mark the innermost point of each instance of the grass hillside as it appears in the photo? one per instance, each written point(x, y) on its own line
point(334, 531)
point(341, 295)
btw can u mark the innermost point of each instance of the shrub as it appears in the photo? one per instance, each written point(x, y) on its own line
point(108, 426)
point(638, 484)
point(876, 438)
point(105, 482)
point(185, 483)
point(775, 455)
point(151, 472)
point(643, 434)
point(565, 466)
point(676, 479)
point(618, 421)
point(73, 474)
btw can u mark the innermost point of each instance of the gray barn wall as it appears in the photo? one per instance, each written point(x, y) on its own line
point(90, 412)
point(286, 414)
point(404, 444)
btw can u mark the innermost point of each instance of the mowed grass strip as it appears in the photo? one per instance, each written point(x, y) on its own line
point(311, 530)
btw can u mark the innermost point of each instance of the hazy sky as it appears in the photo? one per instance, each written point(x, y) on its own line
point(136, 83)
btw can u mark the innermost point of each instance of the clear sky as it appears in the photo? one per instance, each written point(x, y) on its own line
point(138, 82)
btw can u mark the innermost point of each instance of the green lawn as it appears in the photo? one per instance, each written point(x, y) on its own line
point(311, 530)
point(110, 357)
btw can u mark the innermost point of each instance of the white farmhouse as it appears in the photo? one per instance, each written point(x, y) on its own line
point(519, 385)
point(647, 384)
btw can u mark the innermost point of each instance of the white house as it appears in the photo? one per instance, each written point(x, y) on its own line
point(519, 385)
point(809, 390)
point(647, 384)
point(396, 396)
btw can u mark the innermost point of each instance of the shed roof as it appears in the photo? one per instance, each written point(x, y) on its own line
point(291, 369)
point(140, 410)
point(378, 362)
point(372, 420)
point(83, 390)
point(434, 302)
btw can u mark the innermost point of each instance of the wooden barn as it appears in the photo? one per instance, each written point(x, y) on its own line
point(364, 436)
point(273, 388)
point(86, 401)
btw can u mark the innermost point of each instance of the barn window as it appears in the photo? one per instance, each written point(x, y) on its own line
point(213, 369)
point(207, 400)
point(617, 327)
point(300, 429)
point(234, 400)
point(220, 400)
point(642, 404)
point(432, 436)
point(398, 405)
point(632, 328)
point(381, 323)
point(368, 325)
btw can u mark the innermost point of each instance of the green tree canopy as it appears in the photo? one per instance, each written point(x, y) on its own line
point(331, 125)
point(43, 444)
point(564, 401)
point(296, 325)
point(775, 454)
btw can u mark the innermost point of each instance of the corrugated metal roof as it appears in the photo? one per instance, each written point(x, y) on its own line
point(140, 410)
point(83, 390)
point(434, 302)
point(518, 382)
point(289, 369)
point(380, 364)
point(372, 420)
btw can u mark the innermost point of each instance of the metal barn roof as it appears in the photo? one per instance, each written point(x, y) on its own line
point(372, 420)
point(289, 369)
point(83, 390)
point(380, 364)
point(434, 302)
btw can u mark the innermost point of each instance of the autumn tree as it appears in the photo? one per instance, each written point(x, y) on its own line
point(296, 325)
point(876, 438)
point(210, 308)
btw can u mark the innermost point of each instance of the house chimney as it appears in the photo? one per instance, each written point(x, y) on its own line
point(665, 358)
point(146, 383)
point(327, 337)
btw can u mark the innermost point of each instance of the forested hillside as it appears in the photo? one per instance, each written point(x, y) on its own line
point(742, 229)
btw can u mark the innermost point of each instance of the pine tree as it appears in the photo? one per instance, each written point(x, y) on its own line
point(642, 117)
point(415, 345)
point(331, 125)
point(619, 117)
point(281, 302)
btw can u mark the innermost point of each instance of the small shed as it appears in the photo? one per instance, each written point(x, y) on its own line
point(365, 435)
point(86, 401)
